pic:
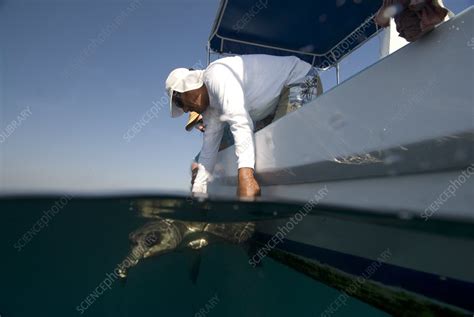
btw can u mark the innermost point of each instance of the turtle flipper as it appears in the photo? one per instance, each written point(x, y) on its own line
point(123, 275)
point(195, 267)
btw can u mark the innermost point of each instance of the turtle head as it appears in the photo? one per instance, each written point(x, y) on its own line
point(153, 239)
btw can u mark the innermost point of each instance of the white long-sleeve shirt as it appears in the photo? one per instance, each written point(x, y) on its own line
point(242, 90)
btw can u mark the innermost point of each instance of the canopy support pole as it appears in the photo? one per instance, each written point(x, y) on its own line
point(208, 57)
point(337, 68)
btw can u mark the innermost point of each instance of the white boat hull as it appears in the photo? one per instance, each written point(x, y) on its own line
point(395, 138)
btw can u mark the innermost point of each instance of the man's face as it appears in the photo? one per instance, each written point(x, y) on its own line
point(194, 100)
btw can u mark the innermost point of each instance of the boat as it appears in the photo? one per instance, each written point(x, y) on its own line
point(394, 142)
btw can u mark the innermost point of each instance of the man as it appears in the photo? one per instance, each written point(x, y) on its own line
point(239, 91)
point(413, 18)
point(195, 121)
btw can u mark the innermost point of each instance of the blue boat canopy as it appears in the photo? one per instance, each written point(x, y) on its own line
point(319, 32)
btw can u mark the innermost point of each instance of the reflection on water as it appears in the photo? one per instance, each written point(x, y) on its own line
point(68, 266)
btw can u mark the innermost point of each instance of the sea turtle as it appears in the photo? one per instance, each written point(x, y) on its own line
point(164, 235)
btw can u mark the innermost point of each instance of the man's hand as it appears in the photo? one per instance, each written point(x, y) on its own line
point(248, 186)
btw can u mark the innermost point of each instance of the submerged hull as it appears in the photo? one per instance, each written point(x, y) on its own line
point(428, 268)
point(396, 138)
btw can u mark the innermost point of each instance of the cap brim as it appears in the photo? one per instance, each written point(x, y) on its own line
point(193, 119)
point(174, 111)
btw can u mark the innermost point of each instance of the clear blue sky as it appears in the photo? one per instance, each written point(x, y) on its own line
point(83, 98)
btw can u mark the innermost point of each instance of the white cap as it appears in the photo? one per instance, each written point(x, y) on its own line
point(182, 80)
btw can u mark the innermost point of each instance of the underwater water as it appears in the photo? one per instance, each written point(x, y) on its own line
point(65, 267)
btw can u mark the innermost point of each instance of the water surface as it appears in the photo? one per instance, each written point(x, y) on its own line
point(55, 269)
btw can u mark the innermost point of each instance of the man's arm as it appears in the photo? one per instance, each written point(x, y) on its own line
point(194, 171)
point(228, 90)
point(207, 156)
